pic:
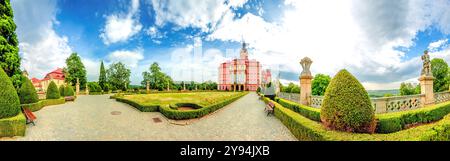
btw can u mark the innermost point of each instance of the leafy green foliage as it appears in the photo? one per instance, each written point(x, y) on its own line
point(106, 87)
point(320, 84)
point(9, 50)
point(52, 91)
point(94, 87)
point(68, 91)
point(439, 68)
point(13, 126)
point(61, 90)
point(158, 80)
point(9, 100)
point(102, 78)
point(346, 105)
point(118, 75)
point(75, 69)
point(291, 88)
point(409, 89)
point(27, 93)
point(309, 112)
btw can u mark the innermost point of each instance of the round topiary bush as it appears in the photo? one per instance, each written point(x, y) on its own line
point(68, 91)
point(61, 90)
point(27, 92)
point(52, 91)
point(9, 100)
point(346, 105)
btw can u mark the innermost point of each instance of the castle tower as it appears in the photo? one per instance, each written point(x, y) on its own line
point(244, 52)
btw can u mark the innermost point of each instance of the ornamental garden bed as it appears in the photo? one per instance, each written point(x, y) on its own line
point(173, 105)
point(302, 122)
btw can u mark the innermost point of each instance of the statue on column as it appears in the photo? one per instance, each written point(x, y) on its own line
point(306, 64)
point(426, 69)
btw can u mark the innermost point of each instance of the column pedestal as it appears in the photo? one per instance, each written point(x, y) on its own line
point(305, 89)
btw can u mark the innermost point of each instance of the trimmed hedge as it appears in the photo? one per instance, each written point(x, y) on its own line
point(9, 100)
point(27, 93)
point(13, 126)
point(392, 122)
point(94, 87)
point(95, 93)
point(142, 108)
point(309, 112)
point(52, 91)
point(171, 112)
point(39, 105)
point(305, 129)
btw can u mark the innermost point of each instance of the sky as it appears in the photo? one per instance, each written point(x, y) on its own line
point(378, 41)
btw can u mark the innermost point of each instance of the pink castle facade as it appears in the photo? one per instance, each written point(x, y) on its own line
point(240, 74)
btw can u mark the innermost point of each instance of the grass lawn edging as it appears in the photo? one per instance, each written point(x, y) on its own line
point(13, 126)
point(42, 103)
point(171, 112)
point(306, 129)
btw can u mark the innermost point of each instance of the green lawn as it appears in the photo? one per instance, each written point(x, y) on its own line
point(199, 98)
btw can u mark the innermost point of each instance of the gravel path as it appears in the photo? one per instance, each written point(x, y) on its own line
point(91, 118)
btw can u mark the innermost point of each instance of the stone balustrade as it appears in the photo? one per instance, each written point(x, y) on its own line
point(380, 105)
point(441, 96)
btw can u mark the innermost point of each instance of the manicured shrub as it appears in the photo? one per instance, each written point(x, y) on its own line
point(27, 93)
point(68, 91)
point(346, 105)
point(94, 87)
point(106, 87)
point(392, 122)
point(9, 100)
point(13, 126)
point(52, 91)
point(61, 90)
point(309, 112)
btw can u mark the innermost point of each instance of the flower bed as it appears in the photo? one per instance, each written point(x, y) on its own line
point(168, 103)
point(13, 126)
point(306, 129)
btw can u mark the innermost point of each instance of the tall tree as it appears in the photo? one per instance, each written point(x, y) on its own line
point(320, 84)
point(118, 75)
point(75, 69)
point(157, 79)
point(102, 78)
point(408, 89)
point(9, 50)
point(439, 68)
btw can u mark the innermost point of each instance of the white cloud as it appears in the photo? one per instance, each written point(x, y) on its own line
point(437, 45)
point(92, 68)
point(193, 13)
point(121, 27)
point(358, 36)
point(129, 58)
point(41, 48)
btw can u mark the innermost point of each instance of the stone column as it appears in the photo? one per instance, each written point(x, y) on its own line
point(87, 89)
point(77, 87)
point(184, 86)
point(426, 88)
point(168, 86)
point(148, 86)
point(305, 82)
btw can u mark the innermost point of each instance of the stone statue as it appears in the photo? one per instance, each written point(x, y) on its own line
point(426, 69)
point(306, 64)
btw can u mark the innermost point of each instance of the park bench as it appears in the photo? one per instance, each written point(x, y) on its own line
point(270, 108)
point(29, 115)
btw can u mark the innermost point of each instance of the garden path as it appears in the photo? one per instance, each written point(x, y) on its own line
point(100, 118)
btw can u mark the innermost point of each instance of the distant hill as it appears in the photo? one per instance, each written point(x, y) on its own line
point(380, 93)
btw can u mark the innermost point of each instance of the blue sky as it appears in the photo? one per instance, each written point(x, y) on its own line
point(380, 42)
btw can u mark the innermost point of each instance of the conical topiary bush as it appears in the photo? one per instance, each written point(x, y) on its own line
point(27, 93)
point(346, 105)
point(61, 90)
point(52, 91)
point(68, 91)
point(9, 100)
